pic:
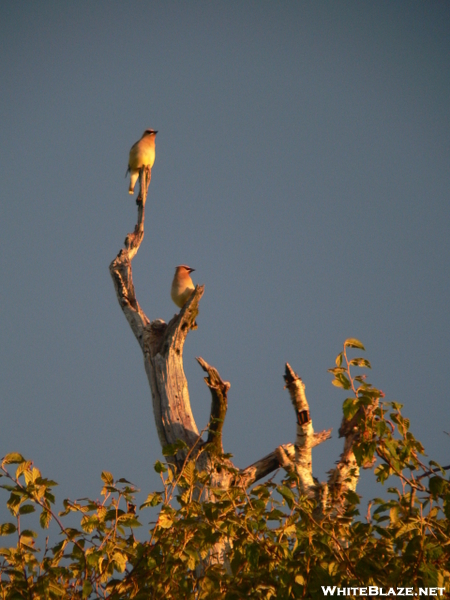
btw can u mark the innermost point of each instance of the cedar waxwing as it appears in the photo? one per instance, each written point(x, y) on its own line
point(182, 285)
point(142, 154)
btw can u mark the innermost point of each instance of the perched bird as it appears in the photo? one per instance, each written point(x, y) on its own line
point(142, 154)
point(182, 285)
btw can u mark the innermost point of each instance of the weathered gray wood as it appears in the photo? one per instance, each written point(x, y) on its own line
point(161, 343)
point(162, 346)
point(279, 458)
point(219, 404)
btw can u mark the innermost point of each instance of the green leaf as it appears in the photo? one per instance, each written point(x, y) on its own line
point(368, 395)
point(13, 502)
point(406, 528)
point(59, 546)
point(352, 497)
point(275, 515)
point(153, 499)
point(364, 453)
point(90, 523)
point(287, 495)
point(393, 514)
point(341, 381)
point(382, 472)
point(25, 509)
point(128, 521)
point(13, 458)
point(337, 383)
point(437, 485)
point(392, 446)
point(57, 590)
point(188, 472)
point(87, 588)
point(169, 450)
point(253, 552)
point(360, 362)
point(172, 449)
point(433, 463)
point(209, 587)
point(44, 481)
point(289, 530)
point(191, 563)
point(7, 528)
point(353, 343)
point(44, 519)
point(339, 359)
point(165, 520)
point(193, 558)
point(350, 407)
point(336, 370)
point(28, 533)
point(23, 466)
point(107, 478)
point(120, 560)
point(159, 467)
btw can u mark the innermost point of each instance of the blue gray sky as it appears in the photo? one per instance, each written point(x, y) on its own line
point(302, 168)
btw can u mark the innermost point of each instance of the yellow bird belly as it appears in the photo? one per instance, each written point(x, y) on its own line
point(180, 296)
point(141, 155)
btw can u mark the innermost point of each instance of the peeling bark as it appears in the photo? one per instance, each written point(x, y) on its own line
point(305, 433)
point(280, 457)
point(330, 496)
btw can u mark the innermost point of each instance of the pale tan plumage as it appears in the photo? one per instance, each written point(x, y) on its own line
point(142, 154)
point(182, 285)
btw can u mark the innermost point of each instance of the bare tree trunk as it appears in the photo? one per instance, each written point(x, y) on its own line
point(162, 347)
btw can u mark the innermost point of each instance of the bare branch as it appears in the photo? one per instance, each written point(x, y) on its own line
point(321, 436)
point(120, 268)
point(435, 470)
point(219, 404)
point(163, 351)
point(305, 431)
point(345, 475)
point(273, 461)
point(262, 467)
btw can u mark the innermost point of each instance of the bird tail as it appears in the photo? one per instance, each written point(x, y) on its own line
point(133, 178)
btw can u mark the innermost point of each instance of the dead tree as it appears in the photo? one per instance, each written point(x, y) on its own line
point(162, 346)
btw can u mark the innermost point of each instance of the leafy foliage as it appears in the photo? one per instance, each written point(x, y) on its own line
point(264, 543)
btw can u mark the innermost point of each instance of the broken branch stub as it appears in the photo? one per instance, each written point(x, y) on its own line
point(343, 477)
point(219, 404)
point(305, 433)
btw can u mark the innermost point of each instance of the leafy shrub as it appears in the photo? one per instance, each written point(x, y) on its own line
point(267, 542)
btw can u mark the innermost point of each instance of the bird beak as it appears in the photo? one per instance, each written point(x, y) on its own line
point(155, 132)
point(190, 270)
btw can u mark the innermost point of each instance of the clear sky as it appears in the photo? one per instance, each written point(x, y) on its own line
point(302, 168)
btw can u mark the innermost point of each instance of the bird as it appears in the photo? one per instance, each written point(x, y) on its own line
point(142, 154)
point(182, 285)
